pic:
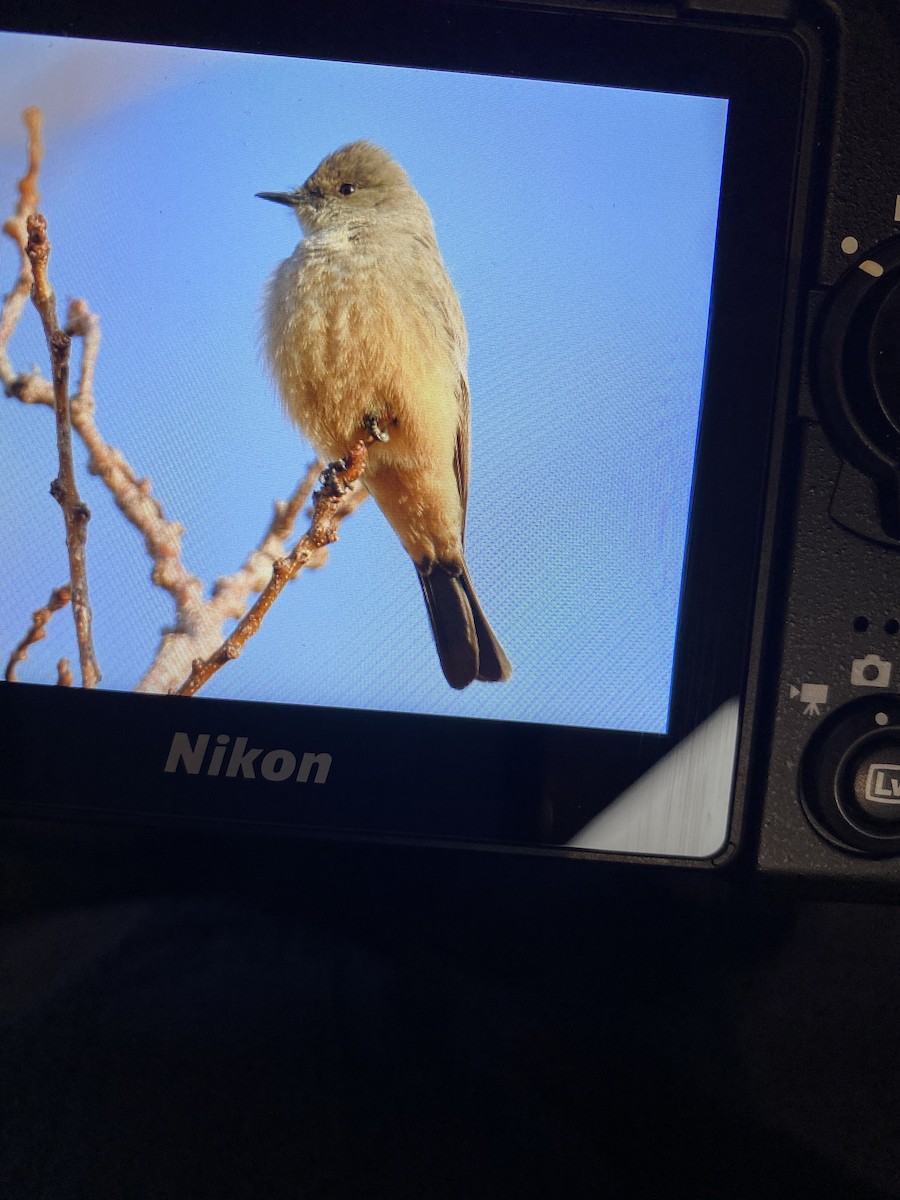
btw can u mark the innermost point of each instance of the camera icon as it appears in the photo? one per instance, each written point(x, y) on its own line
point(870, 671)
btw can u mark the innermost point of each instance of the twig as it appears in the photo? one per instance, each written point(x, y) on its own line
point(14, 302)
point(59, 598)
point(133, 495)
point(327, 504)
point(64, 488)
point(28, 231)
point(63, 673)
point(199, 623)
point(200, 630)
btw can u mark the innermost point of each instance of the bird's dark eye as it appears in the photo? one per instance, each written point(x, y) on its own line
point(347, 189)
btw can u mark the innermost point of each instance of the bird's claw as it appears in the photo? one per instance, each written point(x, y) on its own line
point(330, 478)
point(374, 430)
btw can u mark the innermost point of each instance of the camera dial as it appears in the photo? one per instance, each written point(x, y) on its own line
point(856, 373)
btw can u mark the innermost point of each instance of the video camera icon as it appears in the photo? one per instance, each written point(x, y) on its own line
point(812, 696)
point(870, 671)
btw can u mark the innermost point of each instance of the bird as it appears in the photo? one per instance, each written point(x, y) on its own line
point(363, 332)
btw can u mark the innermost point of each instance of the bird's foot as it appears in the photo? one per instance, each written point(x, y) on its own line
point(331, 480)
point(374, 430)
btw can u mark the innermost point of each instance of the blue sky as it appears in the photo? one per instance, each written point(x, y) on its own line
point(578, 225)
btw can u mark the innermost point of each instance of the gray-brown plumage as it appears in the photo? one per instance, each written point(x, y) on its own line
point(362, 323)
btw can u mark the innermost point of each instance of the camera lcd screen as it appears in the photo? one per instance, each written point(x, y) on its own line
point(578, 227)
point(621, 357)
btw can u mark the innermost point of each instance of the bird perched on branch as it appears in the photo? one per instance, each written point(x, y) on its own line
point(364, 332)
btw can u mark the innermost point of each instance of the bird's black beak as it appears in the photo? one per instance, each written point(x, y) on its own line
point(288, 198)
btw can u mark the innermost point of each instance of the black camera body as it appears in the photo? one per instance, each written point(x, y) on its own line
point(777, 747)
point(828, 803)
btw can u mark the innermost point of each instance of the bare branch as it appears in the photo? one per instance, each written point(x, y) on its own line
point(200, 630)
point(327, 514)
point(29, 231)
point(14, 302)
point(230, 593)
point(162, 538)
point(37, 631)
point(349, 503)
point(29, 196)
point(199, 623)
point(64, 488)
point(132, 495)
point(63, 673)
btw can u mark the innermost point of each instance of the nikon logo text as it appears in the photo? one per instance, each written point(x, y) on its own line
point(239, 759)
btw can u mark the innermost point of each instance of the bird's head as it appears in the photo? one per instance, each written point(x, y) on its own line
point(349, 188)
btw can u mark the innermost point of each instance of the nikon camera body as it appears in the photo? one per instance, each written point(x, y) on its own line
point(674, 232)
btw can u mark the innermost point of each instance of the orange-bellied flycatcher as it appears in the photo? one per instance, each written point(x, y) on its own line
point(364, 331)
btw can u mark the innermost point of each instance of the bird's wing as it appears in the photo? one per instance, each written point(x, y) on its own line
point(449, 314)
point(461, 456)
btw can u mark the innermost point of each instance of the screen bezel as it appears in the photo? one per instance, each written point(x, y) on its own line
point(400, 775)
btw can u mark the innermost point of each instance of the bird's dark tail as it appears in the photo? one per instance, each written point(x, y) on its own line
point(466, 644)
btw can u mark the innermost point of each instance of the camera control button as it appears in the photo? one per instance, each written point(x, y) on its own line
point(850, 774)
point(872, 781)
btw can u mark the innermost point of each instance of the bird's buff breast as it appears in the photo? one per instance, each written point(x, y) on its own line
point(346, 340)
